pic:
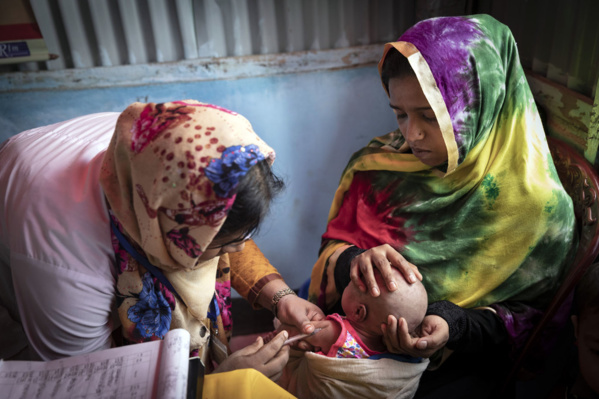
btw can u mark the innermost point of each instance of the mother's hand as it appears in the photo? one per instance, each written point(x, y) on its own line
point(384, 257)
point(269, 359)
point(433, 334)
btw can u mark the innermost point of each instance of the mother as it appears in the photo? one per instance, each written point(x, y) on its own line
point(465, 190)
point(151, 201)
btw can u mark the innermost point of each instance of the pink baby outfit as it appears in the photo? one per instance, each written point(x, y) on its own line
point(348, 344)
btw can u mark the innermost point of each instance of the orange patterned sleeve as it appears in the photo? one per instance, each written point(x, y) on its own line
point(250, 272)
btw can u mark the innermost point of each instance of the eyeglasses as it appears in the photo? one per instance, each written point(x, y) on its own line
point(234, 242)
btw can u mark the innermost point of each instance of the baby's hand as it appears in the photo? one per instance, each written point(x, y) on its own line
point(325, 338)
point(319, 342)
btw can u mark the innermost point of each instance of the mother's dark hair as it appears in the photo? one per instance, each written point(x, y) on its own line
point(255, 192)
point(395, 66)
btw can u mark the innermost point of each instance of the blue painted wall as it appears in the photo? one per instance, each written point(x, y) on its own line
point(314, 121)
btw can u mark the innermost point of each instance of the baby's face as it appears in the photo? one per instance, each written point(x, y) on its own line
point(350, 299)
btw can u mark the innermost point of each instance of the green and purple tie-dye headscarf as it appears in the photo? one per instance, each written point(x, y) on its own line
point(495, 223)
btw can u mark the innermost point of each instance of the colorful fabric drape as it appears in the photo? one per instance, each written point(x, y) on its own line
point(494, 224)
point(169, 176)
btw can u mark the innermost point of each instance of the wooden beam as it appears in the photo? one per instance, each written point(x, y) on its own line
point(594, 126)
point(568, 114)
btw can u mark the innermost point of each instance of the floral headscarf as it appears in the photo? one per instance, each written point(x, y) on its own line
point(169, 176)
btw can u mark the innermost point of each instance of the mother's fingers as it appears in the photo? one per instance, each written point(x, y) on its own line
point(397, 337)
point(363, 265)
point(390, 336)
point(407, 269)
point(384, 258)
point(362, 275)
point(407, 342)
point(385, 268)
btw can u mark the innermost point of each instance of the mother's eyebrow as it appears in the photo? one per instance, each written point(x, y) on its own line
point(415, 109)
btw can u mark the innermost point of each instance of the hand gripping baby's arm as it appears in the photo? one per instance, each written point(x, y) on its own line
point(325, 338)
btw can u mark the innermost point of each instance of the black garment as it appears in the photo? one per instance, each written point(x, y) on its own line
point(470, 330)
point(480, 361)
point(342, 267)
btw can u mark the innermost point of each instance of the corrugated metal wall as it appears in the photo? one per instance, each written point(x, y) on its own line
point(558, 39)
point(88, 33)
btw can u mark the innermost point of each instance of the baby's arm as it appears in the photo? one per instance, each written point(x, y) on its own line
point(322, 340)
point(325, 338)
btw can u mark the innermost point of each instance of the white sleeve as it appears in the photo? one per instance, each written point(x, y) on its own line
point(64, 312)
point(54, 223)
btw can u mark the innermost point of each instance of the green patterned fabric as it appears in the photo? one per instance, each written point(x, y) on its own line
point(494, 224)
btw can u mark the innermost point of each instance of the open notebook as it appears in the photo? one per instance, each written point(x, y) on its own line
point(157, 369)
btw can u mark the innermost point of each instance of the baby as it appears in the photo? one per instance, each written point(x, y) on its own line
point(359, 334)
point(351, 358)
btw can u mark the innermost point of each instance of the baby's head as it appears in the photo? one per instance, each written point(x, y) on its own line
point(408, 301)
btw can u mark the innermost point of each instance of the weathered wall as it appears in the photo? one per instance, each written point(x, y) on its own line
point(313, 119)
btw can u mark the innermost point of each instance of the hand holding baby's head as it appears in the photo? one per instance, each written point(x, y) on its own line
point(409, 301)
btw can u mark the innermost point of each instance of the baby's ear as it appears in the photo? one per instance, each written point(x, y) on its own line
point(361, 312)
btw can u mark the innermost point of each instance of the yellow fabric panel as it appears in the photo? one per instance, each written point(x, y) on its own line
point(242, 384)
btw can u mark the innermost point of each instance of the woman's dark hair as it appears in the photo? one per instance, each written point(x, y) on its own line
point(394, 66)
point(255, 192)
